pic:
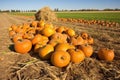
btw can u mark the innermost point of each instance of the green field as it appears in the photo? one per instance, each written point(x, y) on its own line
point(98, 15)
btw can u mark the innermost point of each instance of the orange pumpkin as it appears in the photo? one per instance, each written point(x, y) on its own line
point(87, 49)
point(17, 37)
point(45, 51)
point(34, 24)
point(90, 40)
point(76, 56)
point(23, 46)
point(71, 32)
point(59, 37)
point(48, 25)
point(53, 42)
point(12, 33)
point(28, 36)
point(36, 39)
point(40, 25)
point(60, 29)
point(64, 46)
point(106, 54)
point(84, 35)
point(77, 40)
point(48, 31)
point(14, 27)
point(37, 47)
point(60, 58)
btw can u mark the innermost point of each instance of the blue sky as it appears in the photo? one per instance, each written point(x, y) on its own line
point(61, 4)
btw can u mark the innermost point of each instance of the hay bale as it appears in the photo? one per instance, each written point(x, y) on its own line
point(46, 14)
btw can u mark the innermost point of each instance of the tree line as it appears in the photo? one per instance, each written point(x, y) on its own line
point(107, 9)
point(18, 10)
point(57, 9)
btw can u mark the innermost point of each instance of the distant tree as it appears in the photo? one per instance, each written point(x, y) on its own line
point(107, 9)
point(116, 9)
point(56, 9)
point(17, 10)
point(12, 10)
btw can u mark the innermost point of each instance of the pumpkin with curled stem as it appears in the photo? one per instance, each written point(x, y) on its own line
point(106, 54)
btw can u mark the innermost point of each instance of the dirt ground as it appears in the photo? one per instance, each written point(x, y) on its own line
point(15, 66)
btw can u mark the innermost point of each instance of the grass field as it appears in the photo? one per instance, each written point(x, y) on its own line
point(87, 15)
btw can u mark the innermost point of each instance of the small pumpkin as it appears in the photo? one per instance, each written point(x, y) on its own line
point(106, 54)
point(23, 46)
point(28, 36)
point(87, 49)
point(14, 27)
point(71, 32)
point(12, 33)
point(34, 24)
point(76, 40)
point(40, 25)
point(60, 58)
point(84, 35)
point(60, 29)
point(17, 37)
point(90, 40)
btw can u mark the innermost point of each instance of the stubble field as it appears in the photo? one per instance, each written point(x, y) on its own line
point(15, 66)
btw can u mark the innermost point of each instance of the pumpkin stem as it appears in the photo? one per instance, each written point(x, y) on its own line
point(20, 40)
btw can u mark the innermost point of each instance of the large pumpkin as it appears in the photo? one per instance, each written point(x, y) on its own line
point(106, 54)
point(60, 58)
point(23, 46)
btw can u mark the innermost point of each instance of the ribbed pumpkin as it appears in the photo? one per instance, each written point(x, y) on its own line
point(60, 58)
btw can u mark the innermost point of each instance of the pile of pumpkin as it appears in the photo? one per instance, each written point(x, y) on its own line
point(61, 45)
point(90, 22)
